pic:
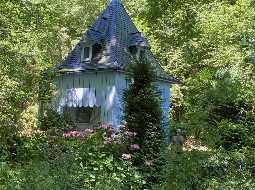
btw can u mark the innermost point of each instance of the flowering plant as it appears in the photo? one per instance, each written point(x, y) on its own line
point(126, 156)
point(135, 147)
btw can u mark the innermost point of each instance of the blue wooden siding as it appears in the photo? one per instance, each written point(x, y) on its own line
point(103, 89)
point(92, 89)
point(165, 99)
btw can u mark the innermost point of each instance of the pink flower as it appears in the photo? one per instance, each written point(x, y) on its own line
point(107, 140)
point(130, 135)
point(88, 131)
point(67, 134)
point(72, 134)
point(147, 163)
point(106, 126)
point(126, 156)
point(75, 133)
point(135, 147)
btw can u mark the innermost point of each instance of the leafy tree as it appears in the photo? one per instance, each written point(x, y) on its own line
point(33, 36)
point(208, 45)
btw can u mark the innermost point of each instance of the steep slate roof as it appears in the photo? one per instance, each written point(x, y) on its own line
point(116, 32)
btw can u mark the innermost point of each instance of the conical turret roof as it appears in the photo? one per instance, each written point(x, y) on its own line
point(116, 33)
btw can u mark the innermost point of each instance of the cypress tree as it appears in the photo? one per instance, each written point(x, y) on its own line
point(142, 110)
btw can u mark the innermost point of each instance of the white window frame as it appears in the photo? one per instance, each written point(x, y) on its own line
point(90, 53)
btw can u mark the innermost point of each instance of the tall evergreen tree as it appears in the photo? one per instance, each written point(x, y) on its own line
point(142, 111)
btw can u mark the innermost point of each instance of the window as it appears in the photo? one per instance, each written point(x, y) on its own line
point(138, 51)
point(86, 115)
point(142, 54)
point(83, 115)
point(87, 53)
point(96, 50)
point(133, 50)
point(91, 52)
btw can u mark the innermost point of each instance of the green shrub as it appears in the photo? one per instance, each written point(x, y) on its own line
point(73, 160)
point(215, 169)
point(234, 136)
point(52, 120)
point(142, 111)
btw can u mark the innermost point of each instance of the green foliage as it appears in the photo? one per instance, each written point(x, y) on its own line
point(71, 162)
point(53, 120)
point(142, 114)
point(208, 45)
point(208, 170)
point(234, 136)
point(142, 111)
point(34, 35)
point(48, 117)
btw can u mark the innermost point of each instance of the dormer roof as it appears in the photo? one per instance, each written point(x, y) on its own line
point(137, 39)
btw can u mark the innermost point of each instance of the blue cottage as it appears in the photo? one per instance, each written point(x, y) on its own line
point(92, 79)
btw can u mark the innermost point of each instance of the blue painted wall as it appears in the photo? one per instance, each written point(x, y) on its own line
point(103, 89)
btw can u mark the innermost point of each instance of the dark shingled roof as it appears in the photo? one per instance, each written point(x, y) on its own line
point(115, 32)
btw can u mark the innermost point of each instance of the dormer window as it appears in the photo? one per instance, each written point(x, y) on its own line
point(138, 52)
point(87, 53)
point(138, 45)
point(91, 52)
point(133, 50)
point(96, 50)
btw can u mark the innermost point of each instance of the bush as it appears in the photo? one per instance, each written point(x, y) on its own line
point(234, 136)
point(208, 170)
point(73, 160)
point(53, 120)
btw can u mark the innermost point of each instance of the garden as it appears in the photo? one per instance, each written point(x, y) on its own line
point(207, 44)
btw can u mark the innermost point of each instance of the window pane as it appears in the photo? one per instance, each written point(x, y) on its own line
point(86, 53)
point(69, 113)
point(96, 49)
point(83, 114)
point(133, 49)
